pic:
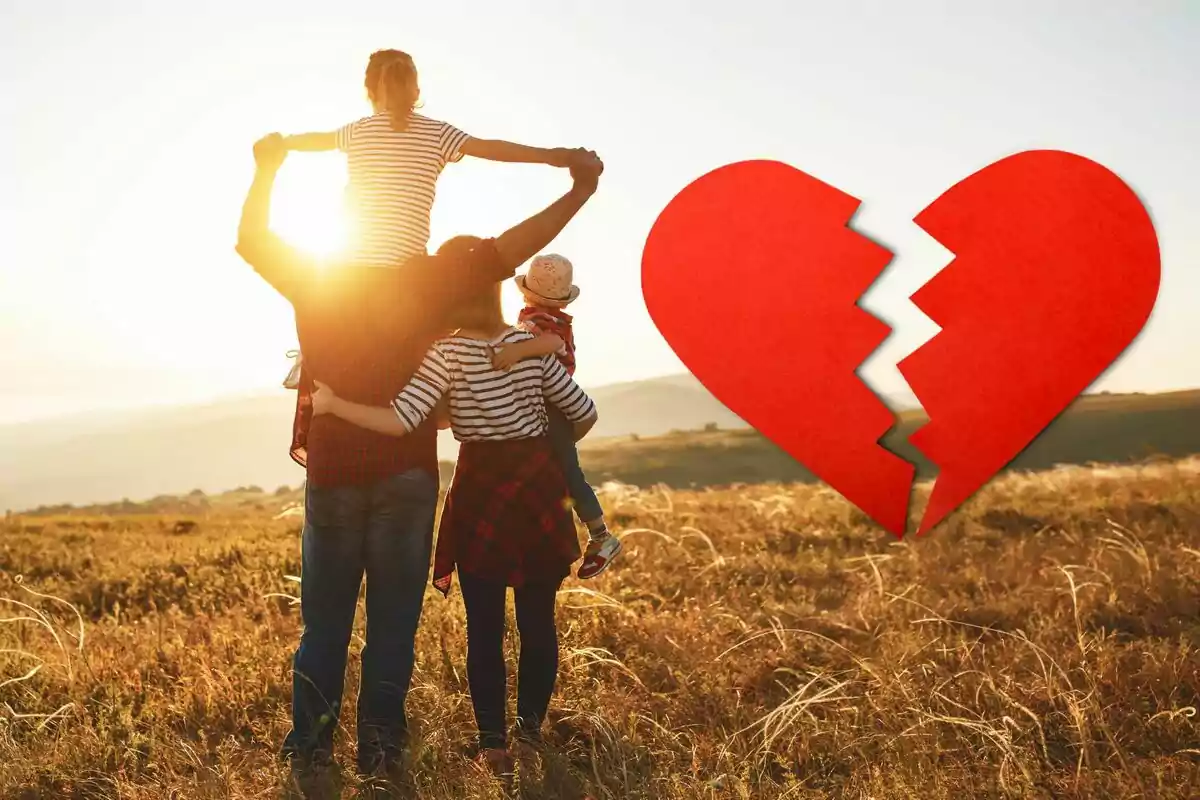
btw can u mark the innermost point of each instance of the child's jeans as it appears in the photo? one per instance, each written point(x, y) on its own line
point(562, 437)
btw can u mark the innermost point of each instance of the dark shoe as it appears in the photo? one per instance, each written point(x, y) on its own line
point(316, 776)
point(529, 735)
point(498, 762)
point(381, 751)
point(316, 760)
point(380, 764)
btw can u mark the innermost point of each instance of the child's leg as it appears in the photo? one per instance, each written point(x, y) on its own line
point(602, 547)
point(587, 507)
point(484, 600)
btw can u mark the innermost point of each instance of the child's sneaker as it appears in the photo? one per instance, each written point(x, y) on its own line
point(292, 381)
point(600, 553)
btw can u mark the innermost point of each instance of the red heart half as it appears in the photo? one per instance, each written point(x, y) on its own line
point(1056, 271)
point(752, 276)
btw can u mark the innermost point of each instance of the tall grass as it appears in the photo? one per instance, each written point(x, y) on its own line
point(757, 641)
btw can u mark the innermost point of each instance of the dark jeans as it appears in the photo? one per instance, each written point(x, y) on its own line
point(384, 529)
point(562, 438)
point(537, 665)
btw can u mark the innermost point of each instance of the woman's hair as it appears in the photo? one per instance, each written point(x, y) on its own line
point(391, 81)
point(479, 311)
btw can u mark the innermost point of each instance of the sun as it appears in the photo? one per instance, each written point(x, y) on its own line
point(306, 205)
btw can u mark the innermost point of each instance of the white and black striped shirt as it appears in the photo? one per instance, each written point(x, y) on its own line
point(393, 177)
point(485, 403)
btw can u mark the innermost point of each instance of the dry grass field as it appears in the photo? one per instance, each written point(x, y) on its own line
point(758, 641)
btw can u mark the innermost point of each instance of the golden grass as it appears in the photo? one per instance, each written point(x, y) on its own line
point(757, 641)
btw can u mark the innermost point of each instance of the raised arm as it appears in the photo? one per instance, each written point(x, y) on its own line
point(560, 389)
point(526, 239)
point(512, 153)
point(281, 265)
point(467, 265)
point(312, 142)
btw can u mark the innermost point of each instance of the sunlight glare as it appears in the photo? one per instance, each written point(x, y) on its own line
point(306, 207)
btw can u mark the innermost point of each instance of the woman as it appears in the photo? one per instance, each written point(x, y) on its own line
point(506, 520)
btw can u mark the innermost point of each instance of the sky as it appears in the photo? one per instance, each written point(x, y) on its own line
point(126, 127)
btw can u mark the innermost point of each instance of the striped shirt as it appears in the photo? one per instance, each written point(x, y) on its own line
point(393, 177)
point(485, 403)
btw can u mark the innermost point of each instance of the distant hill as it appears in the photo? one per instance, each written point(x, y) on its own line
point(243, 442)
point(1100, 428)
point(104, 456)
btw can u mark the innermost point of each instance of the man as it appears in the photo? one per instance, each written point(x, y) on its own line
point(370, 499)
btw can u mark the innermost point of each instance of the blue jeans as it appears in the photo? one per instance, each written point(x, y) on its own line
point(562, 438)
point(384, 530)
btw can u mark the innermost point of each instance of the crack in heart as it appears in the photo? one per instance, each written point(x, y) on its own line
point(1055, 272)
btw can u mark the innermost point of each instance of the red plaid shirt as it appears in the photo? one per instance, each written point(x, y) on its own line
point(364, 331)
point(543, 319)
point(506, 517)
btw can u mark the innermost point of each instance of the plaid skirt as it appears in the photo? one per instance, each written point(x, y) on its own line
point(507, 516)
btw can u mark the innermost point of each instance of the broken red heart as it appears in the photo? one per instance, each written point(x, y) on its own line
point(752, 276)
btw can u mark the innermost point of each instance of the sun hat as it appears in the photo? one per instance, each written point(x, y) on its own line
point(548, 280)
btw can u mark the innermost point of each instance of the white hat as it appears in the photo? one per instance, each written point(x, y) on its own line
point(549, 280)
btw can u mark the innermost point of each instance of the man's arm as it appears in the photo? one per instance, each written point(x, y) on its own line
point(525, 240)
point(284, 267)
point(478, 264)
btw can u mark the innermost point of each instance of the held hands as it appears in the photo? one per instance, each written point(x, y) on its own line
point(270, 151)
point(560, 157)
point(323, 399)
point(572, 157)
point(568, 156)
point(586, 168)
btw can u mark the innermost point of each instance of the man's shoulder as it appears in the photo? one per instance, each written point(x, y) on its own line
point(460, 252)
